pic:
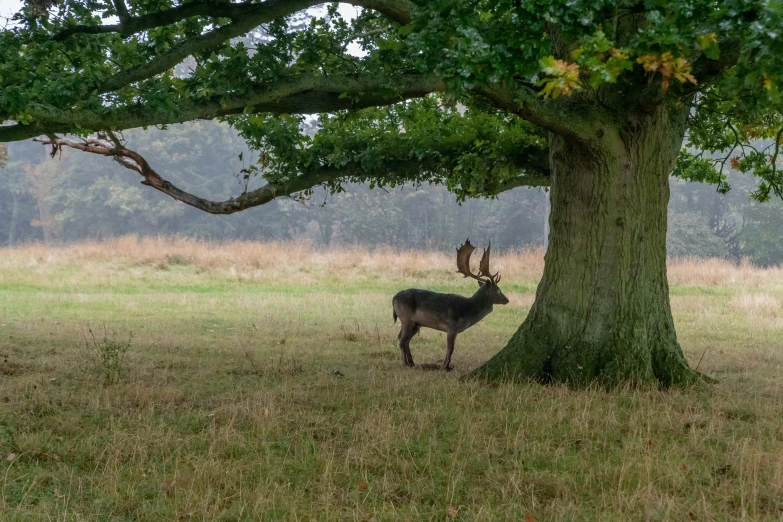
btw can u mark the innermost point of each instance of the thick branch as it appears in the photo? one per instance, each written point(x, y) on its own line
point(318, 175)
point(544, 112)
point(19, 132)
point(526, 180)
point(244, 17)
point(299, 95)
point(195, 45)
point(396, 10)
point(707, 70)
point(133, 161)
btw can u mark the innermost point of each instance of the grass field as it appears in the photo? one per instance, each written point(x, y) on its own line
point(175, 380)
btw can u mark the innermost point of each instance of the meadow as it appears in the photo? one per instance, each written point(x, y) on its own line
point(170, 379)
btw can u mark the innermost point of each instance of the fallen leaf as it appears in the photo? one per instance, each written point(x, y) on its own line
point(683, 467)
point(11, 457)
point(451, 512)
point(530, 518)
point(691, 515)
point(362, 485)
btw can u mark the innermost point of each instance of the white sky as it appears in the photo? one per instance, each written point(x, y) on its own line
point(9, 7)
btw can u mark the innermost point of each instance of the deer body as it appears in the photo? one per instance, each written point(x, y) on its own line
point(448, 313)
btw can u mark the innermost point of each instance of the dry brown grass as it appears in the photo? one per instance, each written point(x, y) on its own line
point(760, 305)
point(275, 259)
point(722, 272)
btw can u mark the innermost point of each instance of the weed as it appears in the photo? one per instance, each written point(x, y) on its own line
point(111, 354)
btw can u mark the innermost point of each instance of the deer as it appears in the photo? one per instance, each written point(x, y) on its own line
point(450, 313)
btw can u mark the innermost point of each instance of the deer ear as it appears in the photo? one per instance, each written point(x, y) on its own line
point(481, 283)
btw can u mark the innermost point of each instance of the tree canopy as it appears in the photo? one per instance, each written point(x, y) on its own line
point(519, 69)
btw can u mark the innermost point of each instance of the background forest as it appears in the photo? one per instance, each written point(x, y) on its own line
point(76, 196)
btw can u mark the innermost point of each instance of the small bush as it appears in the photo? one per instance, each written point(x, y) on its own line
point(111, 355)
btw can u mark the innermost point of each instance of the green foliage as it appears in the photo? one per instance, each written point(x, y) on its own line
point(691, 167)
point(473, 153)
point(720, 61)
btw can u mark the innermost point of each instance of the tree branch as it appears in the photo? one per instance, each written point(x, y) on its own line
point(313, 177)
point(707, 70)
point(298, 95)
point(527, 180)
point(134, 161)
point(19, 132)
point(396, 10)
point(540, 111)
point(122, 9)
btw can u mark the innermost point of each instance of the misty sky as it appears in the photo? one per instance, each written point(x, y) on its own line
point(9, 7)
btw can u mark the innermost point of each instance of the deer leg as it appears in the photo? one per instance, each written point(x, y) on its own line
point(450, 338)
point(416, 329)
point(406, 334)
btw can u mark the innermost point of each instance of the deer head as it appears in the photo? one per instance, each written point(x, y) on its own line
point(487, 280)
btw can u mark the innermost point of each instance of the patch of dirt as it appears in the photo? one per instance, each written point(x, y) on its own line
point(382, 355)
point(430, 367)
point(10, 369)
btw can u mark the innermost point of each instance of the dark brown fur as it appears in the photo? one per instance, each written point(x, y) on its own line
point(448, 313)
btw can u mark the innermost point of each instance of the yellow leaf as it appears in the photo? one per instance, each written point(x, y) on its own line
point(617, 53)
point(707, 40)
point(767, 82)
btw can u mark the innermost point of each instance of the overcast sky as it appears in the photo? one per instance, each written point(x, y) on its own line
point(9, 7)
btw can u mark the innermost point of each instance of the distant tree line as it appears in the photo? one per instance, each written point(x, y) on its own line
point(75, 197)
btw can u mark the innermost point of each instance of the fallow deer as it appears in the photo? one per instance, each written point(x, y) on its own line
point(448, 313)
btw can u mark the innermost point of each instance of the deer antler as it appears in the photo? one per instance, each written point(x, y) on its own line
point(463, 263)
point(463, 260)
point(484, 265)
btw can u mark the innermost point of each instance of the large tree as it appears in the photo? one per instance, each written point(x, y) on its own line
point(595, 99)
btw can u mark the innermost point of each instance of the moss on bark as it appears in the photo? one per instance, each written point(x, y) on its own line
point(602, 312)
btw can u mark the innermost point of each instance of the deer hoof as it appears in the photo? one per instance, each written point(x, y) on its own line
point(446, 368)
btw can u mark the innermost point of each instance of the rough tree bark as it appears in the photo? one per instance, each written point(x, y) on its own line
point(602, 310)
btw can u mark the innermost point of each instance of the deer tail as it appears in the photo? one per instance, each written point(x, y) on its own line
point(394, 313)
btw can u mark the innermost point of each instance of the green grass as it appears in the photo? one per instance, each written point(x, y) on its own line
point(226, 407)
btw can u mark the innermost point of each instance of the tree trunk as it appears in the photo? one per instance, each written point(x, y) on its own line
point(46, 220)
point(14, 219)
point(546, 220)
point(601, 312)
